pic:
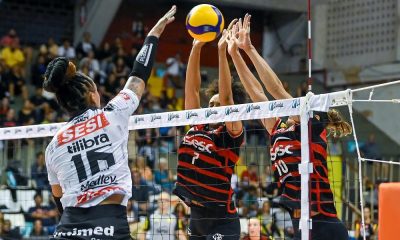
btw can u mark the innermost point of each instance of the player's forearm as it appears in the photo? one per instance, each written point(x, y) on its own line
point(193, 80)
point(136, 85)
point(270, 80)
point(225, 79)
point(250, 83)
point(143, 66)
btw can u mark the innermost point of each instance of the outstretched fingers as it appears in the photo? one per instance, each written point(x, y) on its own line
point(233, 22)
point(248, 23)
point(169, 16)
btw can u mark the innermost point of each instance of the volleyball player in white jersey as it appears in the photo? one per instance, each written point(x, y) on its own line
point(87, 160)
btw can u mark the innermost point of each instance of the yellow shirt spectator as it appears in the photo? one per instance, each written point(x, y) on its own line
point(12, 57)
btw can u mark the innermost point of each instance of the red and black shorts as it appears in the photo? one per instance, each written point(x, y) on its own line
point(206, 224)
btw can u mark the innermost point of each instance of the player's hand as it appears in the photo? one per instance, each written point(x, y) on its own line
point(232, 40)
point(244, 40)
point(222, 43)
point(198, 44)
point(168, 18)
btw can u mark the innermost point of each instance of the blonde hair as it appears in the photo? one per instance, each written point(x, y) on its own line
point(337, 125)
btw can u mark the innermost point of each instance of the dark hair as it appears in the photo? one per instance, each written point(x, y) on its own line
point(38, 195)
point(70, 87)
point(238, 92)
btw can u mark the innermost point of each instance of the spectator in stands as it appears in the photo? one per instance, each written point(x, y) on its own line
point(85, 46)
point(92, 64)
point(66, 50)
point(8, 39)
point(104, 54)
point(26, 115)
point(140, 194)
point(370, 150)
point(250, 202)
point(269, 185)
point(10, 119)
point(173, 73)
point(43, 51)
point(4, 89)
point(120, 69)
point(370, 226)
point(41, 106)
point(39, 172)
point(130, 59)
point(52, 48)
point(46, 214)
point(9, 233)
point(235, 182)
point(4, 108)
point(109, 88)
point(17, 83)
point(117, 48)
point(266, 219)
point(145, 142)
point(182, 221)
point(254, 228)
point(250, 176)
point(129, 212)
point(167, 135)
point(145, 171)
point(12, 55)
point(159, 228)
point(38, 70)
point(283, 224)
point(38, 230)
point(255, 133)
point(163, 176)
point(136, 228)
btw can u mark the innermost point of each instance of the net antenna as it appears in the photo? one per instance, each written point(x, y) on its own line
point(309, 47)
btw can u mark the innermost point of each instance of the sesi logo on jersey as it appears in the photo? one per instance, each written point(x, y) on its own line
point(82, 129)
point(200, 145)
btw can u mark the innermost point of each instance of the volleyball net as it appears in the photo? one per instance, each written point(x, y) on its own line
point(154, 212)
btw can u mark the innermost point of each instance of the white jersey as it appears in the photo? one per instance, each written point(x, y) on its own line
point(88, 157)
point(162, 227)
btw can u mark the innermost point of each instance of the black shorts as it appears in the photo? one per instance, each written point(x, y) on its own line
point(323, 228)
point(93, 223)
point(206, 224)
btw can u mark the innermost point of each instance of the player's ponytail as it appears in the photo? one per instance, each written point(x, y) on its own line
point(70, 87)
point(337, 125)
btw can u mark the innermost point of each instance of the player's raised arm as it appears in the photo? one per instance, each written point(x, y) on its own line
point(193, 77)
point(267, 75)
point(249, 81)
point(143, 64)
point(225, 81)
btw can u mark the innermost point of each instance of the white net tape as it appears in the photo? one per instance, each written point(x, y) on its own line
point(260, 110)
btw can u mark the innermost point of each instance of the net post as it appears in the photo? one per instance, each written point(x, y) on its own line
point(305, 167)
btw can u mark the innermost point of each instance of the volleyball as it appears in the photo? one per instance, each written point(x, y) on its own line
point(205, 22)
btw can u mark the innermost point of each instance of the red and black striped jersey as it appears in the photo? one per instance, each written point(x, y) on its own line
point(286, 156)
point(206, 161)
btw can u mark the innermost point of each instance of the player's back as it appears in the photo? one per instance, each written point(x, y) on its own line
point(88, 157)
